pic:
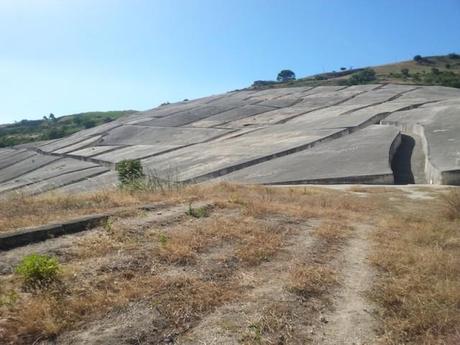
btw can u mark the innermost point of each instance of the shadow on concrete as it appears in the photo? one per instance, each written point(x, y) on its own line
point(401, 164)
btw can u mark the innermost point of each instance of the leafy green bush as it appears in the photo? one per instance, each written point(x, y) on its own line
point(362, 77)
point(129, 171)
point(38, 271)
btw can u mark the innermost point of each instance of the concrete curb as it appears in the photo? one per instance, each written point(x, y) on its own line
point(21, 237)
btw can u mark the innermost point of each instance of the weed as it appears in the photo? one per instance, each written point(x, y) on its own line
point(108, 224)
point(38, 271)
point(8, 298)
point(163, 239)
point(129, 171)
point(197, 212)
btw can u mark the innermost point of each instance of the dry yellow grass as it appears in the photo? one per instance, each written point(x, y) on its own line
point(333, 232)
point(416, 254)
point(418, 290)
point(452, 204)
point(311, 280)
point(272, 326)
point(23, 211)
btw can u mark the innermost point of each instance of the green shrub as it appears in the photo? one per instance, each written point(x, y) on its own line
point(38, 271)
point(129, 171)
point(362, 77)
point(418, 58)
point(197, 212)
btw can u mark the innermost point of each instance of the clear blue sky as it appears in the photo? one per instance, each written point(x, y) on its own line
point(67, 56)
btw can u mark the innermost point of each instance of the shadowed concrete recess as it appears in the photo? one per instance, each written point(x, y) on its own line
point(376, 134)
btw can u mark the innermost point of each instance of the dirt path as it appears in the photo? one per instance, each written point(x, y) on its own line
point(351, 321)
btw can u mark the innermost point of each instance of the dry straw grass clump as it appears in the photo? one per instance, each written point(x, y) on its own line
point(333, 232)
point(311, 280)
point(452, 203)
point(419, 285)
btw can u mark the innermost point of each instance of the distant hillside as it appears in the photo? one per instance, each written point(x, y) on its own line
point(49, 127)
point(429, 70)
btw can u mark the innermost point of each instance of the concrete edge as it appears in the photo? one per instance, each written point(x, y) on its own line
point(433, 174)
point(382, 179)
point(24, 236)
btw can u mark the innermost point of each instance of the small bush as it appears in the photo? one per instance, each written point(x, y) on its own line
point(198, 212)
point(418, 58)
point(129, 171)
point(362, 77)
point(38, 271)
point(405, 72)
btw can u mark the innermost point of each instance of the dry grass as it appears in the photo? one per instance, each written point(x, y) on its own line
point(452, 204)
point(254, 240)
point(189, 267)
point(311, 280)
point(419, 286)
point(333, 232)
point(23, 211)
point(273, 325)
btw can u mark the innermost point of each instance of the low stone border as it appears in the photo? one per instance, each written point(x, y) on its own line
point(25, 236)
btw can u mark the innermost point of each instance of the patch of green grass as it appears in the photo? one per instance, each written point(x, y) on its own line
point(163, 239)
point(38, 271)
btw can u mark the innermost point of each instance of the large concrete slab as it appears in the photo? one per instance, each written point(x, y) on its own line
point(94, 150)
point(134, 152)
point(25, 166)
point(242, 132)
point(19, 156)
point(361, 156)
point(438, 125)
point(54, 169)
point(216, 158)
point(171, 136)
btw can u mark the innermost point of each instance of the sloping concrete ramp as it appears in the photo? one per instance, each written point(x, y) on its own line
point(327, 134)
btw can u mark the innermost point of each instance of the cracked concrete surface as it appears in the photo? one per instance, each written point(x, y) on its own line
point(325, 134)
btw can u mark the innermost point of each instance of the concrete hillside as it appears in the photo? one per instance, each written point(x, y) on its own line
point(377, 134)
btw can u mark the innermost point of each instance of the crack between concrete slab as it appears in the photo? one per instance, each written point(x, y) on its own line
point(346, 131)
point(72, 182)
point(30, 170)
point(321, 108)
point(49, 178)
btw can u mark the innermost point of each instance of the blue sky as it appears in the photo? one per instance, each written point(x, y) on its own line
point(68, 56)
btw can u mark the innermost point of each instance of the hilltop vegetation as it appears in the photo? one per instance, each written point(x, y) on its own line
point(429, 70)
point(50, 127)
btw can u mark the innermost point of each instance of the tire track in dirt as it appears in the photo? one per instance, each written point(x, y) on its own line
point(265, 293)
point(351, 321)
